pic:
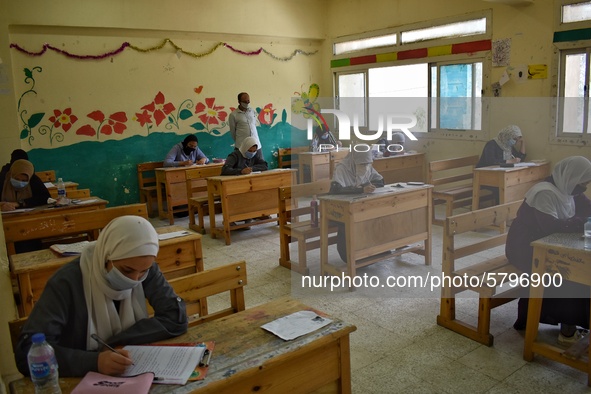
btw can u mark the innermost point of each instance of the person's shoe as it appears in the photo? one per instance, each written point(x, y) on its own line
point(564, 340)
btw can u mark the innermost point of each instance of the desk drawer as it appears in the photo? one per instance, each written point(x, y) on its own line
point(177, 256)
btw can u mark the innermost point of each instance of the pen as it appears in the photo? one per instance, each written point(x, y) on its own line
point(99, 340)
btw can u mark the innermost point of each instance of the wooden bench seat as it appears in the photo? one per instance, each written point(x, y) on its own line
point(484, 276)
point(452, 181)
point(295, 223)
point(146, 179)
point(197, 195)
point(288, 157)
point(46, 176)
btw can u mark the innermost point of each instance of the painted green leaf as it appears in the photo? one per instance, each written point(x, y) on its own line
point(284, 116)
point(28, 73)
point(24, 134)
point(185, 114)
point(35, 119)
point(215, 132)
point(198, 126)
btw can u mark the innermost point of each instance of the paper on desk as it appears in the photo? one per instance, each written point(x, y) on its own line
point(174, 234)
point(18, 210)
point(526, 164)
point(48, 184)
point(297, 324)
point(81, 202)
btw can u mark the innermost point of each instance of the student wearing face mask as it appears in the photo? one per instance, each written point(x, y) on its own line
point(104, 292)
point(508, 147)
point(323, 140)
point(353, 175)
point(242, 122)
point(244, 160)
point(21, 188)
point(556, 205)
point(185, 153)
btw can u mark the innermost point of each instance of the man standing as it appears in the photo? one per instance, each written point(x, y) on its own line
point(243, 123)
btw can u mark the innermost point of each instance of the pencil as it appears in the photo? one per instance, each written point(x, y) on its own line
point(99, 340)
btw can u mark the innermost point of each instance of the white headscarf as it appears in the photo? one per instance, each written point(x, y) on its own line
point(247, 144)
point(556, 200)
point(123, 237)
point(510, 132)
point(355, 170)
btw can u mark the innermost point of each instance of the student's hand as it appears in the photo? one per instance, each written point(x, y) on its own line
point(186, 163)
point(514, 160)
point(202, 161)
point(369, 188)
point(111, 363)
point(246, 171)
point(8, 206)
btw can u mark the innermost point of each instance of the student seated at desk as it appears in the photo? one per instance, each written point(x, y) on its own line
point(508, 147)
point(353, 175)
point(557, 205)
point(185, 153)
point(393, 147)
point(104, 292)
point(244, 160)
point(21, 188)
point(324, 140)
point(16, 154)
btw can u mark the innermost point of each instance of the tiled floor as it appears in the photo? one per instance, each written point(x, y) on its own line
point(398, 347)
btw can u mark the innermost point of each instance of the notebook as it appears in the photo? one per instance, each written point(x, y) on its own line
point(97, 383)
point(73, 249)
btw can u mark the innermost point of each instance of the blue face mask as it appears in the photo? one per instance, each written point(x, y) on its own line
point(249, 155)
point(324, 136)
point(18, 184)
point(120, 282)
point(512, 142)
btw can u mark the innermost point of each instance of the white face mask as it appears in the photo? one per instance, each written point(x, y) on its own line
point(18, 184)
point(363, 173)
point(120, 282)
point(244, 105)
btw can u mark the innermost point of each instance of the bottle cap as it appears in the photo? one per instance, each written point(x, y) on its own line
point(38, 338)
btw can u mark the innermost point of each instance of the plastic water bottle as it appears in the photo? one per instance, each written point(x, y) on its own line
point(314, 213)
point(588, 234)
point(61, 191)
point(43, 366)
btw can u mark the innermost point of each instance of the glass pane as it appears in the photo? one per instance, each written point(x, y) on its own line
point(365, 43)
point(351, 88)
point(574, 93)
point(404, 82)
point(457, 89)
point(434, 93)
point(458, 29)
point(576, 12)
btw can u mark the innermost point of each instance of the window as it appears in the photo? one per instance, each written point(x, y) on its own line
point(428, 73)
point(576, 12)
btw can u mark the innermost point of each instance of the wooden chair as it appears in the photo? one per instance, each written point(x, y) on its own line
point(46, 176)
point(147, 184)
point(195, 288)
point(481, 276)
point(78, 193)
point(197, 194)
point(288, 157)
point(452, 181)
point(295, 223)
point(15, 327)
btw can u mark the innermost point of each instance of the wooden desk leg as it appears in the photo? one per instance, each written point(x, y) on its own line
point(351, 268)
point(211, 206)
point(502, 200)
point(534, 308)
point(160, 200)
point(476, 191)
point(169, 204)
point(428, 241)
point(345, 372)
point(323, 240)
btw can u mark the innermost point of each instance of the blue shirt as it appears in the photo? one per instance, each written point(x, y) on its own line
point(177, 155)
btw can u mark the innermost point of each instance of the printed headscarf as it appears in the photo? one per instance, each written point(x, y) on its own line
point(510, 132)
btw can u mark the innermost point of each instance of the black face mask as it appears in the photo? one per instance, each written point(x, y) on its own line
point(188, 150)
point(579, 189)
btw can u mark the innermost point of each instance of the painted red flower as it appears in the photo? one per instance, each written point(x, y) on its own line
point(159, 109)
point(143, 118)
point(212, 114)
point(63, 119)
point(115, 123)
point(267, 114)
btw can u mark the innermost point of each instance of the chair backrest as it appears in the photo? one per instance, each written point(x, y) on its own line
point(449, 171)
point(78, 193)
point(195, 288)
point(289, 195)
point(288, 157)
point(46, 176)
point(196, 183)
point(66, 224)
point(145, 173)
point(15, 327)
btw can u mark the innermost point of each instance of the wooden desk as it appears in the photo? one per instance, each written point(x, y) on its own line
point(249, 359)
point(318, 163)
point(376, 223)
point(69, 186)
point(177, 257)
point(564, 254)
point(43, 211)
point(408, 167)
point(246, 197)
point(172, 180)
point(513, 182)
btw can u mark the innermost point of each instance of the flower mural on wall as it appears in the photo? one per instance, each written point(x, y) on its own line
point(64, 119)
point(212, 117)
point(114, 123)
point(159, 109)
point(266, 115)
point(32, 121)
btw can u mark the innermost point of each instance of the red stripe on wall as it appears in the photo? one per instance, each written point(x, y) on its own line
point(412, 54)
point(474, 46)
point(363, 59)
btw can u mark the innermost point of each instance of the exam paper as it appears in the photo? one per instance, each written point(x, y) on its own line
point(297, 324)
point(174, 234)
point(170, 364)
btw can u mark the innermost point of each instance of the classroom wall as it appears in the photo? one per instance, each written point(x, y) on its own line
point(122, 81)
